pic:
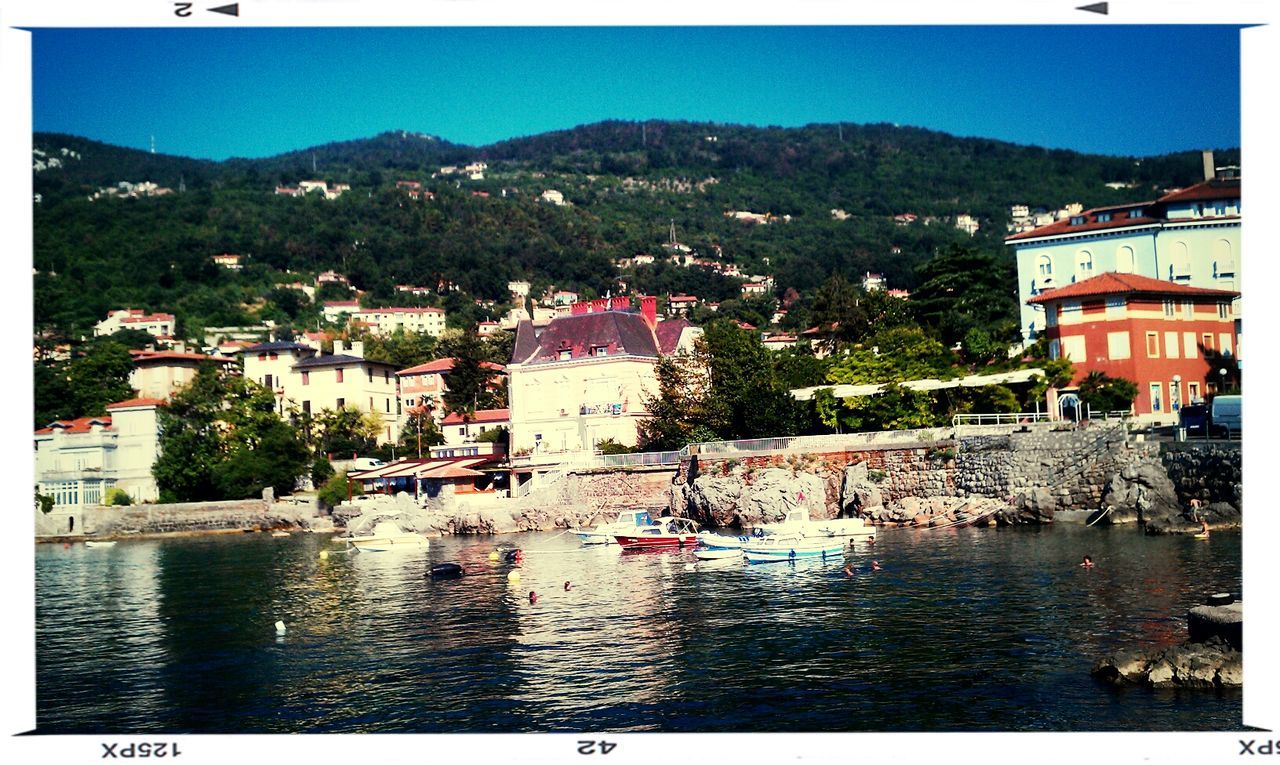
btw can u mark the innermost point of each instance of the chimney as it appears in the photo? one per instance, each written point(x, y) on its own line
point(357, 349)
point(620, 304)
point(1206, 160)
point(577, 309)
point(649, 310)
point(599, 305)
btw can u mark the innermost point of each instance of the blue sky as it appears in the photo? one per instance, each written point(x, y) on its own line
point(215, 93)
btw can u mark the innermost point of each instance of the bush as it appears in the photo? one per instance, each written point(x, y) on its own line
point(334, 491)
point(321, 471)
point(44, 501)
point(116, 497)
point(876, 476)
point(610, 446)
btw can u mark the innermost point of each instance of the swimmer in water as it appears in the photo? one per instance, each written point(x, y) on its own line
point(875, 565)
point(533, 596)
point(1087, 562)
point(848, 570)
point(567, 586)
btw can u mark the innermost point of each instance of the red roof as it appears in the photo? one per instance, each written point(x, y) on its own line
point(1118, 284)
point(135, 402)
point(78, 425)
point(140, 356)
point(401, 310)
point(444, 366)
point(1119, 219)
point(1225, 188)
point(145, 318)
point(480, 416)
point(342, 303)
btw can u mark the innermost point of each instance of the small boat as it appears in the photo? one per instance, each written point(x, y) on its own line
point(798, 522)
point(717, 553)
point(792, 547)
point(629, 520)
point(721, 542)
point(668, 532)
point(279, 533)
point(388, 535)
point(99, 543)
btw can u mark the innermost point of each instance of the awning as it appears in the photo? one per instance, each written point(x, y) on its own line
point(972, 381)
point(385, 471)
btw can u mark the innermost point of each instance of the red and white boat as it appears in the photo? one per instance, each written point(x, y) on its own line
point(666, 532)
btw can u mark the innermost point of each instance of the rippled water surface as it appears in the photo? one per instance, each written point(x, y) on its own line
point(971, 629)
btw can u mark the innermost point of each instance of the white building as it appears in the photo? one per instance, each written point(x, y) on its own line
point(334, 310)
point(553, 196)
point(159, 325)
point(1189, 237)
point(383, 322)
point(584, 377)
point(459, 430)
point(967, 223)
point(309, 382)
point(78, 460)
point(519, 289)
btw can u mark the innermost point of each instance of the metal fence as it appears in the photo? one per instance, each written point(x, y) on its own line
point(637, 459)
point(1000, 418)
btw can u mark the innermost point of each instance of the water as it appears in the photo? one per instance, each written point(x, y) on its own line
point(970, 629)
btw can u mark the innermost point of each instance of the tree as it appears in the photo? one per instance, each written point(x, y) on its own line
point(896, 355)
point(675, 411)
point(419, 434)
point(345, 431)
point(1107, 394)
point(99, 377)
point(220, 438)
point(894, 408)
point(963, 289)
point(469, 380)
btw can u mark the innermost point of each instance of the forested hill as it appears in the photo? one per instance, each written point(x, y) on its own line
point(625, 183)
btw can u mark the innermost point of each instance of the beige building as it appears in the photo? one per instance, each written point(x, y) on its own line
point(158, 374)
point(161, 325)
point(383, 322)
point(583, 378)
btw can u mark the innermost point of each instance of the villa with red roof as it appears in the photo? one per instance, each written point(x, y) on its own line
point(423, 387)
point(583, 378)
point(158, 374)
point(1167, 338)
point(78, 460)
point(159, 325)
point(1189, 237)
point(462, 429)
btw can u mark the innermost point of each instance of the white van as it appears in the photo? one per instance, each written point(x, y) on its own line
point(367, 463)
point(1224, 416)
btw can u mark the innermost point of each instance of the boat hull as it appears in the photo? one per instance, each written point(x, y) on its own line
point(798, 551)
point(387, 545)
point(721, 553)
point(656, 542)
point(595, 538)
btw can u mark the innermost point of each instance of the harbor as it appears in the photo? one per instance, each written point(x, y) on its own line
point(961, 629)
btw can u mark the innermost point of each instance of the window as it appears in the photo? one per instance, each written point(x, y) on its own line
point(1224, 343)
point(1124, 259)
point(371, 403)
point(1193, 391)
point(1188, 309)
point(1117, 345)
point(338, 372)
point(1044, 267)
point(1073, 347)
point(388, 406)
point(1189, 345)
point(1168, 308)
point(1207, 341)
point(1223, 310)
point(1154, 391)
point(1175, 396)
point(1179, 263)
point(1084, 265)
point(1077, 220)
point(566, 354)
point(1224, 260)
point(274, 356)
point(267, 381)
point(1104, 217)
point(1054, 352)
point(1171, 345)
point(600, 350)
point(1153, 345)
point(306, 378)
point(342, 402)
point(1115, 308)
point(262, 357)
point(306, 407)
point(386, 376)
point(1136, 212)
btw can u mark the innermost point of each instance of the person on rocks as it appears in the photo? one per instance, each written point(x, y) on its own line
point(1087, 562)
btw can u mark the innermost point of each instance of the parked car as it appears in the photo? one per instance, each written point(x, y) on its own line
point(1224, 416)
point(1194, 418)
point(367, 463)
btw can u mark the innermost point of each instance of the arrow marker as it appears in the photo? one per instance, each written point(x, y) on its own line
point(1094, 8)
point(234, 9)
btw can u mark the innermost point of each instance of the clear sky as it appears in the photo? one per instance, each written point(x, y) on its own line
point(215, 93)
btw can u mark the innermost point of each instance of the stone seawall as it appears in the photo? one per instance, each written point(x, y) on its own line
point(1208, 471)
point(188, 517)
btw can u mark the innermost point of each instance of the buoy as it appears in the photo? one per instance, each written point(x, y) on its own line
point(280, 628)
point(493, 555)
point(324, 554)
point(514, 576)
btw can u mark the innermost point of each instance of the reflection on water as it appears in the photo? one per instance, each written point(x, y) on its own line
point(962, 629)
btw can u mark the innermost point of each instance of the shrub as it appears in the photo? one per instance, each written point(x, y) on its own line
point(610, 446)
point(321, 471)
point(44, 501)
point(116, 497)
point(334, 491)
point(876, 476)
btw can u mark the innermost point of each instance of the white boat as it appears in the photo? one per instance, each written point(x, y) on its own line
point(717, 553)
point(387, 535)
point(786, 547)
point(628, 521)
point(720, 541)
point(798, 522)
point(99, 543)
point(279, 533)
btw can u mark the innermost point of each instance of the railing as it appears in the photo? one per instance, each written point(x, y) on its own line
point(1000, 418)
point(830, 443)
point(640, 458)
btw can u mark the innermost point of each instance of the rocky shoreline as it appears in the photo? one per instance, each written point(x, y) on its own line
point(1212, 657)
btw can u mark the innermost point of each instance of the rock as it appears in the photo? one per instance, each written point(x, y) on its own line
point(1141, 493)
point(1161, 674)
point(725, 500)
point(1209, 664)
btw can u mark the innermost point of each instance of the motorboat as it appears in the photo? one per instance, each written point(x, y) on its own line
point(717, 553)
point(629, 520)
point(788, 547)
point(387, 535)
point(798, 522)
point(713, 541)
point(666, 532)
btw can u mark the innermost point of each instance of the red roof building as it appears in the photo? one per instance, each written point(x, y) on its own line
point(1169, 339)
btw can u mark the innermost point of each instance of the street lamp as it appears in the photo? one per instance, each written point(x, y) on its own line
point(1222, 380)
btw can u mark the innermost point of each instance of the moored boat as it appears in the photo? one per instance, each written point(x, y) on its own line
point(792, 547)
point(99, 543)
point(386, 536)
point(717, 553)
point(629, 520)
point(720, 541)
point(668, 532)
point(798, 522)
